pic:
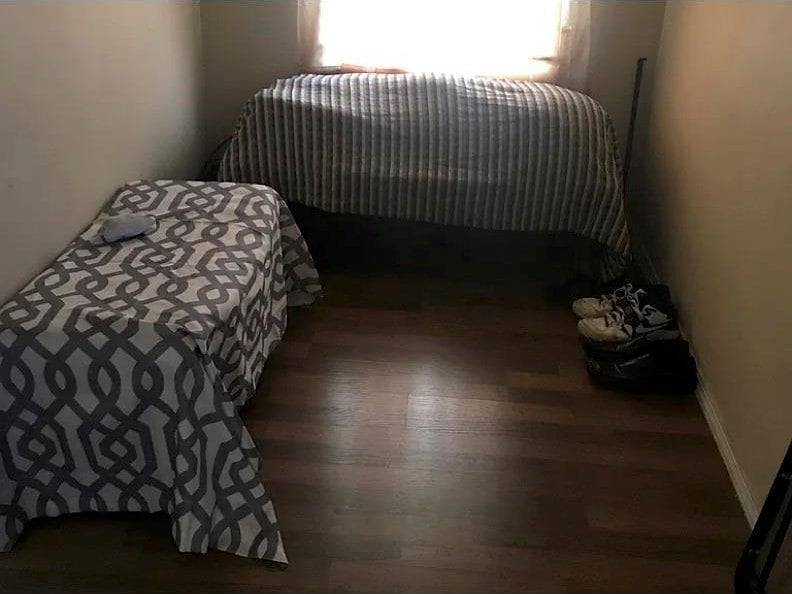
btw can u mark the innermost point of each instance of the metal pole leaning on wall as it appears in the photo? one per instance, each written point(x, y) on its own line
point(639, 66)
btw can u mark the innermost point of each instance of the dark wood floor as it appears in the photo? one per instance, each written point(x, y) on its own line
point(437, 433)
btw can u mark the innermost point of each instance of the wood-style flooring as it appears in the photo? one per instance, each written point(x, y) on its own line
point(432, 432)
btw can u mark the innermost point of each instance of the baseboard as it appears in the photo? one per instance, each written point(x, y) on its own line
point(711, 413)
point(708, 406)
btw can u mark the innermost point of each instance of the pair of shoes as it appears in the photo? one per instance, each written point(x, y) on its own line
point(632, 341)
point(664, 366)
point(627, 318)
point(597, 307)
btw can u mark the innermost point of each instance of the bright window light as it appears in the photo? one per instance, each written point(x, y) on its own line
point(493, 37)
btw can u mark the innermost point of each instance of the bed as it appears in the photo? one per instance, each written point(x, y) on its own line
point(123, 367)
point(472, 152)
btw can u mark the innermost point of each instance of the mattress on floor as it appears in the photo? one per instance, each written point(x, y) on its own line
point(123, 367)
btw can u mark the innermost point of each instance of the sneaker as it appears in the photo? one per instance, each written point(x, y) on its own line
point(594, 307)
point(664, 366)
point(626, 330)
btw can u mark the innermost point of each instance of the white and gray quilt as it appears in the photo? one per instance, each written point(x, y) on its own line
point(473, 152)
point(123, 367)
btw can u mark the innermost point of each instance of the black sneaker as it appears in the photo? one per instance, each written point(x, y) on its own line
point(664, 366)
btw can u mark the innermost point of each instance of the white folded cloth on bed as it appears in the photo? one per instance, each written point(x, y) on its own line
point(125, 226)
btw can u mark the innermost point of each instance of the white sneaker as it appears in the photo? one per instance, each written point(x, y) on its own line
point(597, 307)
point(610, 327)
point(625, 325)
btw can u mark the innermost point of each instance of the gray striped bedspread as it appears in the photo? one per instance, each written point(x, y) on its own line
point(123, 367)
point(473, 152)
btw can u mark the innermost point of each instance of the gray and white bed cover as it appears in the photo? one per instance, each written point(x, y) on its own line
point(474, 152)
point(123, 367)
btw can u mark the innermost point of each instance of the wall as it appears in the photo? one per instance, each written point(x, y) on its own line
point(716, 213)
point(93, 94)
point(621, 32)
point(248, 44)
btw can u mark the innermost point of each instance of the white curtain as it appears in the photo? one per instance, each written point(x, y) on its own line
point(544, 40)
point(572, 66)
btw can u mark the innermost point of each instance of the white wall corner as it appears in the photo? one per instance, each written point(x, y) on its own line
point(707, 403)
point(642, 257)
point(711, 412)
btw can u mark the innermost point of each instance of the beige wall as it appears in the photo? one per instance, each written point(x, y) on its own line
point(92, 94)
point(621, 32)
point(248, 44)
point(718, 212)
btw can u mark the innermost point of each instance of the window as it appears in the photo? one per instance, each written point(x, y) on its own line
point(517, 38)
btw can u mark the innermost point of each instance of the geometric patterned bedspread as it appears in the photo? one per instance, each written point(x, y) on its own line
point(123, 367)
